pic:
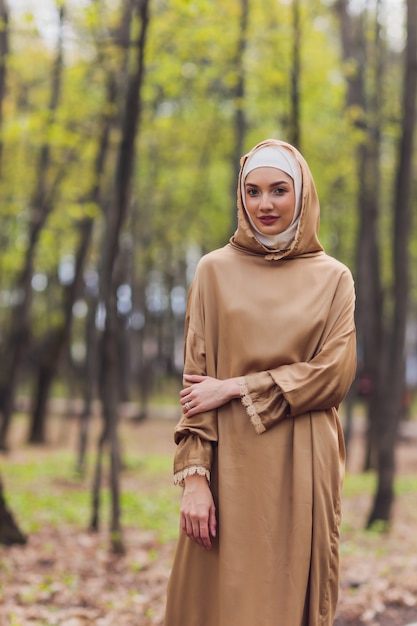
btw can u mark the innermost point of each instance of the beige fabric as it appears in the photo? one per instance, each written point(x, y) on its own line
point(282, 321)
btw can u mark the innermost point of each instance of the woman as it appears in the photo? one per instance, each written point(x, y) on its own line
point(269, 356)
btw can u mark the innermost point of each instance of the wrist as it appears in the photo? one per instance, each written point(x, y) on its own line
point(193, 481)
point(233, 389)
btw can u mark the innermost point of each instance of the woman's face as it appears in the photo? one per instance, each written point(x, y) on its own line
point(270, 199)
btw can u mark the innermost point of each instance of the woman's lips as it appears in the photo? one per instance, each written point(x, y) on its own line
point(268, 219)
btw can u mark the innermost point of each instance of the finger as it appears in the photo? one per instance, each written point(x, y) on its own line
point(187, 408)
point(183, 523)
point(188, 528)
point(203, 539)
point(196, 528)
point(185, 398)
point(212, 522)
point(205, 536)
point(195, 533)
point(186, 525)
point(193, 378)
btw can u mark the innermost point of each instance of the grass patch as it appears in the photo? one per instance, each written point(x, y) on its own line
point(366, 483)
point(44, 490)
point(381, 539)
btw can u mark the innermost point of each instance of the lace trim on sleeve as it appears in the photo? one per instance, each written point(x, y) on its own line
point(190, 471)
point(249, 406)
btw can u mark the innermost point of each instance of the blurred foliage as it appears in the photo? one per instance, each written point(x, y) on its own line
point(182, 204)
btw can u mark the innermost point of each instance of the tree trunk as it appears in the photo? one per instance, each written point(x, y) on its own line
point(107, 124)
point(239, 99)
point(9, 531)
point(44, 378)
point(4, 50)
point(370, 293)
point(89, 381)
point(295, 120)
point(390, 410)
point(115, 219)
point(57, 340)
point(41, 205)
point(364, 99)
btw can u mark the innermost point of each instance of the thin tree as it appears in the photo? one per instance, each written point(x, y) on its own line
point(363, 97)
point(10, 533)
point(393, 389)
point(106, 125)
point(4, 51)
point(40, 207)
point(115, 219)
point(57, 339)
point(294, 132)
point(239, 122)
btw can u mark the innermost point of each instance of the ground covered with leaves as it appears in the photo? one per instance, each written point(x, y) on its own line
point(66, 575)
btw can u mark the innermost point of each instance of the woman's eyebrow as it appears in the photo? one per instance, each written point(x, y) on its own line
point(278, 182)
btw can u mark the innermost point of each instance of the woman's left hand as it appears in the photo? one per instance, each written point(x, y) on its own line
point(206, 393)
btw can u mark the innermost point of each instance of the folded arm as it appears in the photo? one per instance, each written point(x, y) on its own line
point(292, 389)
point(318, 383)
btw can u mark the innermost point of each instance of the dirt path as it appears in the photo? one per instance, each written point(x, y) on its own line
point(66, 576)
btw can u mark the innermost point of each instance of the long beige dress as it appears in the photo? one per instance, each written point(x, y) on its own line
point(283, 322)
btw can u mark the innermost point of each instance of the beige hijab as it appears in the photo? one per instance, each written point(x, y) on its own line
point(281, 159)
point(301, 236)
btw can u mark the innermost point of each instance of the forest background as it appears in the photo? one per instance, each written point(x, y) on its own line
point(122, 123)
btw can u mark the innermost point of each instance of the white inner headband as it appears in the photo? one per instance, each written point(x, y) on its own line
point(281, 159)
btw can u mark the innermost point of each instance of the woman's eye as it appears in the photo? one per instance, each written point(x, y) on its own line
point(280, 190)
point(252, 192)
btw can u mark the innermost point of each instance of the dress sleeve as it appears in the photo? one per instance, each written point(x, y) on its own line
point(194, 438)
point(317, 384)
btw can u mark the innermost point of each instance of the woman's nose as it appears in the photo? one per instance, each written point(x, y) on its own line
point(266, 201)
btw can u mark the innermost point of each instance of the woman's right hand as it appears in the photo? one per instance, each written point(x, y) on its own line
point(198, 513)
